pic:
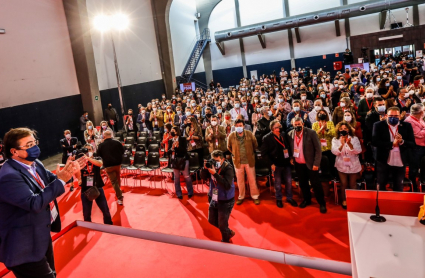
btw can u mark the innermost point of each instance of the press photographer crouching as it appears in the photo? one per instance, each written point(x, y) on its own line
point(221, 195)
point(91, 184)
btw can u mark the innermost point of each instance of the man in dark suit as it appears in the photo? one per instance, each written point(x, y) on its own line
point(143, 121)
point(306, 156)
point(275, 150)
point(399, 82)
point(28, 207)
point(111, 116)
point(68, 144)
point(392, 140)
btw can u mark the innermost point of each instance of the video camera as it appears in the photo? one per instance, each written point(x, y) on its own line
point(210, 163)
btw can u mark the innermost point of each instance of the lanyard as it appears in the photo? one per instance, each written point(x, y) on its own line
point(369, 105)
point(401, 103)
point(392, 133)
point(283, 145)
point(219, 170)
point(89, 168)
point(297, 142)
point(323, 131)
point(237, 112)
point(38, 179)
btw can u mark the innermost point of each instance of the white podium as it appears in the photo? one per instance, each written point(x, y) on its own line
point(395, 248)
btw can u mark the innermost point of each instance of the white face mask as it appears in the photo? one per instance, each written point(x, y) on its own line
point(169, 110)
point(369, 95)
point(213, 123)
point(317, 108)
point(303, 97)
point(341, 86)
point(342, 104)
point(347, 118)
point(68, 136)
point(90, 154)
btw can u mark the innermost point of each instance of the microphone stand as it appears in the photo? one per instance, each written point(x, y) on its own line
point(377, 217)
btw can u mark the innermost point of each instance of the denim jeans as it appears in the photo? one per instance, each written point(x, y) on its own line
point(187, 179)
point(218, 216)
point(383, 171)
point(101, 203)
point(415, 161)
point(283, 173)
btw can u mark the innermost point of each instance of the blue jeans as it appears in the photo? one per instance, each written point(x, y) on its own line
point(187, 179)
point(101, 203)
point(283, 173)
point(218, 216)
point(416, 155)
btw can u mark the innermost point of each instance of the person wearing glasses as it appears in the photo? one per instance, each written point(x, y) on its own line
point(28, 207)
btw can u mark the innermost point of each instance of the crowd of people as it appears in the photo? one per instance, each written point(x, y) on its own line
point(308, 121)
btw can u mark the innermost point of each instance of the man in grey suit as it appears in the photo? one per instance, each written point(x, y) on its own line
point(306, 156)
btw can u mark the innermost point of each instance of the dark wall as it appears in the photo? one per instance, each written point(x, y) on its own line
point(317, 62)
point(49, 118)
point(412, 35)
point(268, 68)
point(228, 77)
point(132, 95)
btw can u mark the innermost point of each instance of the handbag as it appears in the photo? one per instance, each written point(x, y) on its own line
point(421, 215)
point(178, 163)
point(92, 193)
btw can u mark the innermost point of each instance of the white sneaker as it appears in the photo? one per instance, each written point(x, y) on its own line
point(120, 202)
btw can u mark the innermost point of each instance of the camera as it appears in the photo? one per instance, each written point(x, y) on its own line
point(210, 163)
point(80, 152)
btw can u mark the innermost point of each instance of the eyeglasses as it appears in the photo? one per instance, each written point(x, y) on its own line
point(29, 145)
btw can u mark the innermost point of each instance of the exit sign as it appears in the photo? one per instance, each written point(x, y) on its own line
point(96, 97)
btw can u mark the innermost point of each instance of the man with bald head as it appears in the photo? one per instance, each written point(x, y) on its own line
point(111, 152)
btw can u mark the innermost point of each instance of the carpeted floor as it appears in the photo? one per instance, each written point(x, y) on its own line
point(293, 230)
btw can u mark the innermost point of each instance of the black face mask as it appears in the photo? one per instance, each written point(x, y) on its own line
point(321, 117)
point(343, 133)
point(172, 133)
point(327, 82)
point(298, 128)
point(130, 114)
point(208, 115)
point(110, 106)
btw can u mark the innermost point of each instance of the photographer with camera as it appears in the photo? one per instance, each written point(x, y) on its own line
point(91, 182)
point(221, 195)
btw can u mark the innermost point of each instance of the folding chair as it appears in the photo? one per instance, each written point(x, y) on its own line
point(129, 140)
point(153, 148)
point(125, 164)
point(139, 161)
point(194, 166)
point(152, 164)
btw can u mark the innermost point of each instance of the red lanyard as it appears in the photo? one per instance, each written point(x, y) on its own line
point(283, 145)
point(323, 131)
point(237, 112)
point(401, 103)
point(38, 179)
point(392, 133)
point(89, 168)
point(369, 105)
point(298, 141)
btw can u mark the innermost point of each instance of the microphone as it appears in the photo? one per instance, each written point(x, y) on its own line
point(377, 217)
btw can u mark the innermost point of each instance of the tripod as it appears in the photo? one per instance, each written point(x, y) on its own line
point(408, 24)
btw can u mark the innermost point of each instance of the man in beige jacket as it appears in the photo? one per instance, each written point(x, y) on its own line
point(242, 144)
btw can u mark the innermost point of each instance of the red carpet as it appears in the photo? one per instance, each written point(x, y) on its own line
point(293, 230)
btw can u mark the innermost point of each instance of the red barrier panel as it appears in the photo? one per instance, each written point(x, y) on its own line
point(390, 202)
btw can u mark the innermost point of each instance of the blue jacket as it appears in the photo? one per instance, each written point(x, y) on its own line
point(25, 213)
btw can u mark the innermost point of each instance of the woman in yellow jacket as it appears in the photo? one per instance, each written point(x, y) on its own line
point(325, 130)
point(169, 116)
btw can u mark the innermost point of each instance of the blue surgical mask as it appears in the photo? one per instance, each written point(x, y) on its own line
point(381, 109)
point(237, 105)
point(219, 111)
point(393, 121)
point(188, 113)
point(217, 164)
point(33, 153)
point(239, 129)
point(90, 127)
point(296, 109)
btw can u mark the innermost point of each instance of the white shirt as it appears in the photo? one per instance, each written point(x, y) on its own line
point(236, 111)
point(313, 113)
point(351, 155)
point(32, 169)
point(394, 159)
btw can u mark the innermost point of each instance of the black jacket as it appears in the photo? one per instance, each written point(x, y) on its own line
point(272, 151)
point(111, 152)
point(95, 172)
point(263, 127)
point(224, 179)
point(68, 147)
point(181, 151)
point(381, 140)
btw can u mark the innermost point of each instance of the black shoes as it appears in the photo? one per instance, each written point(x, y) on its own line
point(190, 196)
point(304, 204)
point(232, 234)
point(71, 188)
point(292, 202)
point(279, 203)
point(323, 209)
point(180, 197)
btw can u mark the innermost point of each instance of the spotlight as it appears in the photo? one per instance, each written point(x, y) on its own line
point(105, 23)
